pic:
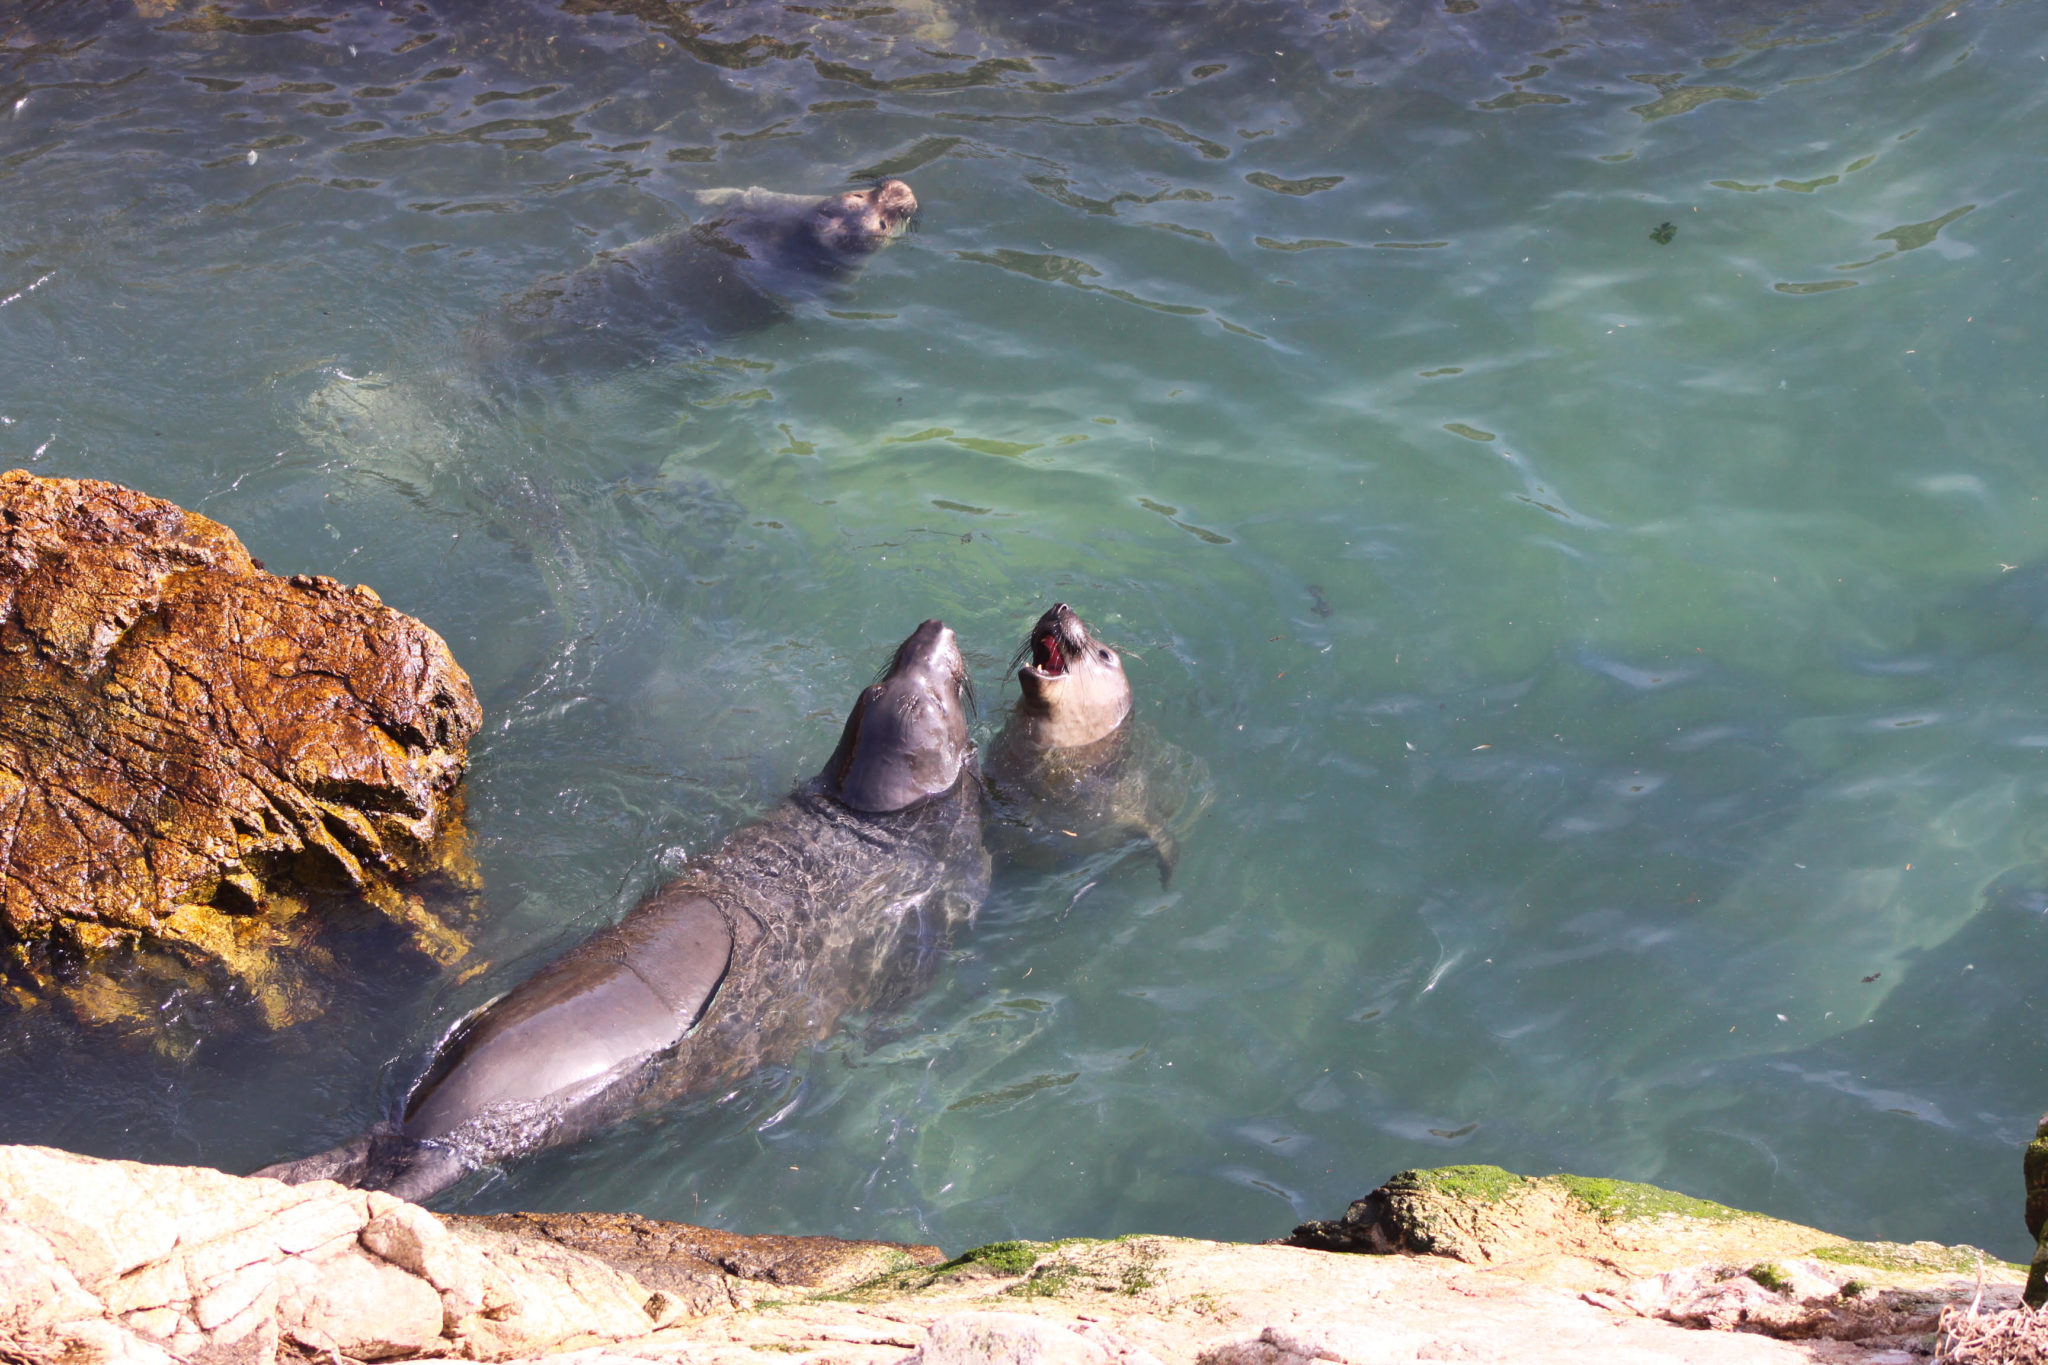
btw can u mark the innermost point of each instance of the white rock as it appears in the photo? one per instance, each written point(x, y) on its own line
point(120, 1263)
point(1006, 1339)
point(1300, 1344)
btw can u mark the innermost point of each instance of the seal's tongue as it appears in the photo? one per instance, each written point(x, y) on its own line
point(1046, 655)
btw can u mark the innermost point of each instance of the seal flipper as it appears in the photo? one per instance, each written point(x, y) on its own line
point(560, 1053)
point(1166, 849)
point(346, 1164)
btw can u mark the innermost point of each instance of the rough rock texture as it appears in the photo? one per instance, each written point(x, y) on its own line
point(1667, 1255)
point(117, 1261)
point(2036, 1168)
point(188, 744)
point(104, 1263)
point(706, 1269)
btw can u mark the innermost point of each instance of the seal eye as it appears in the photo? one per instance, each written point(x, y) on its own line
point(1102, 654)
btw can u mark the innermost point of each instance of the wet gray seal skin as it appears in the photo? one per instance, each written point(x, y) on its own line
point(739, 269)
point(841, 898)
point(1072, 773)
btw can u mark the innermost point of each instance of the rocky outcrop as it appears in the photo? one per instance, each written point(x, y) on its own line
point(190, 745)
point(2036, 1170)
point(1651, 1252)
point(118, 1262)
point(166, 1263)
point(115, 1263)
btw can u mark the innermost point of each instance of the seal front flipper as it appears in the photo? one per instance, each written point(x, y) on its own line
point(555, 1055)
point(1166, 849)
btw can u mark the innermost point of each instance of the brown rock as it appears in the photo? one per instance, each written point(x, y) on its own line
point(190, 745)
point(706, 1268)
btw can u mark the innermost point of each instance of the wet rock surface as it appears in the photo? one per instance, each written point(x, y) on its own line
point(191, 748)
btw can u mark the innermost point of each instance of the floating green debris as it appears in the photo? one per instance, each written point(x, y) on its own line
point(1663, 233)
point(1314, 184)
point(1913, 236)
point(1809, 186)
point(1010, 1094)
point(920, 153)
point(1469, 433)
point(1010, 449)
point(1215, 151)
point(1737, 185)
point(1517, 99)
point(1305, 244)
point(1675, 98)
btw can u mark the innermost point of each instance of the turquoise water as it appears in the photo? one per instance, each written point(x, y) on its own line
point(1617, 648)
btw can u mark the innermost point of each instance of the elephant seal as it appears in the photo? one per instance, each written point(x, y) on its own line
point(843, 897)
point(1072, 772)
point(739, 269)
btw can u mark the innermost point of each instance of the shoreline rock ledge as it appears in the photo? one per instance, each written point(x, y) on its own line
point(119, 1263)
point(191, 747)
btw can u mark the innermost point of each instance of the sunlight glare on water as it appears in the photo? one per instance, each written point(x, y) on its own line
point(1573, 472)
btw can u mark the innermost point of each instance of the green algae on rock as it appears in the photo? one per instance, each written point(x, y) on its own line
point(191, 747)
point(2035, 1165)
point(1483, 1214)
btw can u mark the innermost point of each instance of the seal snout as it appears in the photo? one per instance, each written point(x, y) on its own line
point(1057, 641)
point(894, 205)
point(862, 221)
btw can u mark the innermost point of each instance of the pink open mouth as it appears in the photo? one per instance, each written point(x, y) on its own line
point(1047, 656)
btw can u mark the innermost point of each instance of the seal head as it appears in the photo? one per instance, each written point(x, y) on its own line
point(1074, 689)
point(860, 222)
point(906, 740)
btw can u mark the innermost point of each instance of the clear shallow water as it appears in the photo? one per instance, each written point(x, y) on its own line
point(1609, 652)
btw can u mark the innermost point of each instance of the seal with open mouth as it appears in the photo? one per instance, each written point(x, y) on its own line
point(843, 897)
point(1072, 772)
point(741, 268)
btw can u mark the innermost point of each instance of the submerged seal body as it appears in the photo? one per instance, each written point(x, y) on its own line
point(1072, 772)
point(843, 897)
point(740, 268)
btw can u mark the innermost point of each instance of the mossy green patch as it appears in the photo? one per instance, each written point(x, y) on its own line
point(1911, 1258)
point(1611, 1201)
point(1482, 1184)
point(1770, 1276)
point(1044, 1282)
point(1005, 1258)
point(1622, 1201)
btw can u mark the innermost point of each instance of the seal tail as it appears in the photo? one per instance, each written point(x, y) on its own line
point(392, 1162)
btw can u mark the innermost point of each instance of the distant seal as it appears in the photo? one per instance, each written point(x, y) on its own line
point(741, 268)
point(843, 897)
point(1072, 772)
